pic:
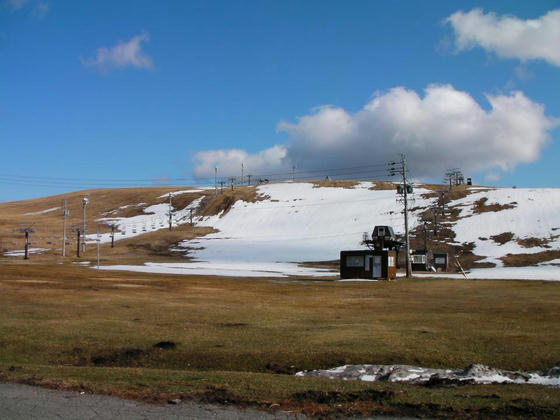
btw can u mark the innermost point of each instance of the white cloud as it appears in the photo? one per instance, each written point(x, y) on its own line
point(444, 128)
point(509, 36)
point(124, 54)
point(229, 162)
point(15, 4)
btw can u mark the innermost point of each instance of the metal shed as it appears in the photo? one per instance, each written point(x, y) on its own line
point(441, 261)
point(368, 264)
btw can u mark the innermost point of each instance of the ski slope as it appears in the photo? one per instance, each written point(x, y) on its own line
point(300, 222)
point(294, 223)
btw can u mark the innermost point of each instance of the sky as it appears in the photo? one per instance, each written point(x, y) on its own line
point(105, 93)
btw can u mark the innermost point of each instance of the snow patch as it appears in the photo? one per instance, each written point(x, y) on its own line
point(477, 374)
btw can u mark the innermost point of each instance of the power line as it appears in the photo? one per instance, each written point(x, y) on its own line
point(46, 181)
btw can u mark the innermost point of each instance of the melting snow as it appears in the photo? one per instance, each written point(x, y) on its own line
point(41, 212)
point(478, 374)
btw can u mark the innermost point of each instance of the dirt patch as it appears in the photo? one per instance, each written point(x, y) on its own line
point(231, 324)
point(335, 397)
point(123, 357)
point(480, 206)
point(523, 260)
point(502, 238)
point(283, 369)
point(165, 345)
point(223, 396)
point(331, 265)
point(534, 242)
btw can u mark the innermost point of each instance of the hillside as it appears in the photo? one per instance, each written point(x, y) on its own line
point(270, 230)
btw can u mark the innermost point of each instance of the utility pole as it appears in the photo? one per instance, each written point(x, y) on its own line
point(425, 237)
point(399, 168)
point(78, 231)
point(27, 231)
point(408, 264)
point(435, 213)
point(216, 180)
point(293, 172)
point(112, 236)
point(232, 180)
point(249, 179)
point(170, 212)
point(85, 202)
point(98, 240)
point(442, 199)
point(65, 214)
point(242, 173)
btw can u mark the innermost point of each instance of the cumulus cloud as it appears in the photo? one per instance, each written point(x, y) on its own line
point(124, 54)
point(509, 36)
point(229, 161)
point(444, 128)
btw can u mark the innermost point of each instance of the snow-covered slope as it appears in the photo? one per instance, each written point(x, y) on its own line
point(534, 213)
point(300, 222)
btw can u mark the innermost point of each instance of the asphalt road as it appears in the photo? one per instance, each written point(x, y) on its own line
point(27, 402)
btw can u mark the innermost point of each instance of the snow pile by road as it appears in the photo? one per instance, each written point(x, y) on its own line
point(475, 374)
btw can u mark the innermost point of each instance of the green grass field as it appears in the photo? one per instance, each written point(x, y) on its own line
point(241, 340)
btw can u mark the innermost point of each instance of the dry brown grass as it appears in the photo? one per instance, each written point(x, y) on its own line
point(523, 260)
point(48, 226)
point(502, 238)
point(78, 327)
point(221, 203)
point(480, 206)
point(383, 185)
point(536, 242)
point(335, 184)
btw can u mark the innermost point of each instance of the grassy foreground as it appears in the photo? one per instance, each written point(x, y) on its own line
point(158, 337)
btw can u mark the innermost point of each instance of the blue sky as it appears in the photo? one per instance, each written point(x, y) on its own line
point(144, 90)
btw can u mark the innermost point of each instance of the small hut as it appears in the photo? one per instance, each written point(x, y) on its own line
point(368, 264)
